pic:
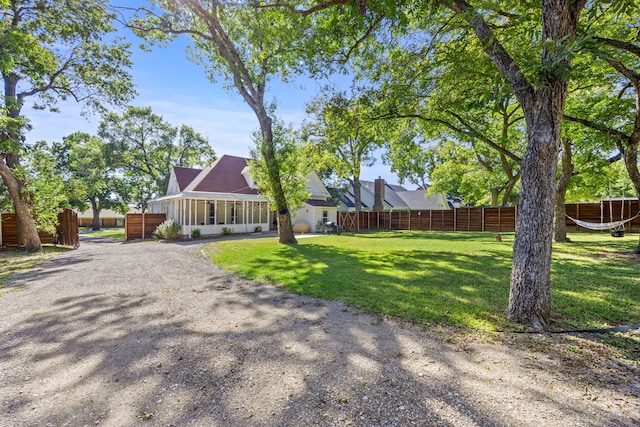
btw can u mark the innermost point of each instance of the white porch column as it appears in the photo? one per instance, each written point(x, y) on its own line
point(190, 201)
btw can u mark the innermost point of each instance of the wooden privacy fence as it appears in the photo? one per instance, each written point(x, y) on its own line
point(141, 225)
point(66, 231)
point(485, 219)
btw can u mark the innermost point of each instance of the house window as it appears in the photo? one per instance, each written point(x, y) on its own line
point(212, 213)
point(325, 217)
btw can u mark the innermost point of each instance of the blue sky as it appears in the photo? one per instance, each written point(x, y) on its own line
point(177, 89)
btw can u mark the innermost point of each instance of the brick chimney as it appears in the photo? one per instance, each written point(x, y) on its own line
point(378, 195)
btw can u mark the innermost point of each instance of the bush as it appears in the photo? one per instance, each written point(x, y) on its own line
point(169, 230)
point(258, 229)
point(227, 231)
point(195, 233)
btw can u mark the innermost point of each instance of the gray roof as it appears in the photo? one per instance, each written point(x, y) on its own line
point(418, 199)
point(397, 197)
point(390, 194)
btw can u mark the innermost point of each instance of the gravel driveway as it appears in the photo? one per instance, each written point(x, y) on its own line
point(152, 334)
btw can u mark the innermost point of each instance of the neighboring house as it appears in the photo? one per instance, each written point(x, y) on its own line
point(108, 218)
point(223, 195)
point(395, 198)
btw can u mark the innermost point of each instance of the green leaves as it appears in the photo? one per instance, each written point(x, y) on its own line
point(56, 50)
point(342, 133)
point(292, 166)
point(144, 147)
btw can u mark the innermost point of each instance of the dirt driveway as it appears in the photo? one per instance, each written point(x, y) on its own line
point(152, 334)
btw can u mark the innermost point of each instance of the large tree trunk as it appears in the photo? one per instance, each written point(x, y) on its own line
point(530, 296)
point(560, 223)
point(529, 299)
point(631, 163)
point(267, 148)
point(357, 193)
point(95, 209)
point(25, 224)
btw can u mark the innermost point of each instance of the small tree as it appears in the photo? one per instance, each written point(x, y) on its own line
point(43, 188)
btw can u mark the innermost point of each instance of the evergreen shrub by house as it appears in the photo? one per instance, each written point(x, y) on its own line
point(168, 230)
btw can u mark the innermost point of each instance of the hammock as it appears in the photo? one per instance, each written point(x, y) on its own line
point(600, 226)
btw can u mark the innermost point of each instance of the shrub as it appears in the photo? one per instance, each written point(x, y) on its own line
point(258, 229)
point(195, 233)
point(169, 230)
point(227, 231)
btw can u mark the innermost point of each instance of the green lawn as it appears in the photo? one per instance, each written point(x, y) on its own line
point(451, 278)
point(113, 233)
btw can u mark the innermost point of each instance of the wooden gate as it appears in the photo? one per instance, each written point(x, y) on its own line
point(66, 231)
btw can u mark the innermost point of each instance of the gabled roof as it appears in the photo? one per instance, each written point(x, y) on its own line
point(418, 200)
point(396, 197)
point(320, 203)
point(184, 176)
point(390, 194)
point(222, 176)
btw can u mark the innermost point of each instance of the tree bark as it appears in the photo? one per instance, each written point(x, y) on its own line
point(631, 162)
point(27, 231)
point(267, 147)
point(357, 193)
point(494, 197)
point(560, 223)
point(529, 298)
point(95, 209)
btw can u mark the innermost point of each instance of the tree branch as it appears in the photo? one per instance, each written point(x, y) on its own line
point(359, 41)
point(302, 12)
point(500, 57)
point(619, 136)
point(619, 44)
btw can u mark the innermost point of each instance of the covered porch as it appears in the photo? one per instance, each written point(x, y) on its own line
point(216, 214)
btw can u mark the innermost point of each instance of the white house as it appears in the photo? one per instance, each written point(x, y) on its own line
point(223, 195)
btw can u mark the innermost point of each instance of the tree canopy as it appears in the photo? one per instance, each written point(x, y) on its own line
point(54, 50)
point(89, 181)
point(143, 147)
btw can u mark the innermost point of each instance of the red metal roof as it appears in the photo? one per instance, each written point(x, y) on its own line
point(226, 177)
point(184, 176)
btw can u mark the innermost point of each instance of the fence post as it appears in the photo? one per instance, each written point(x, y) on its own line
point(455, 219)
